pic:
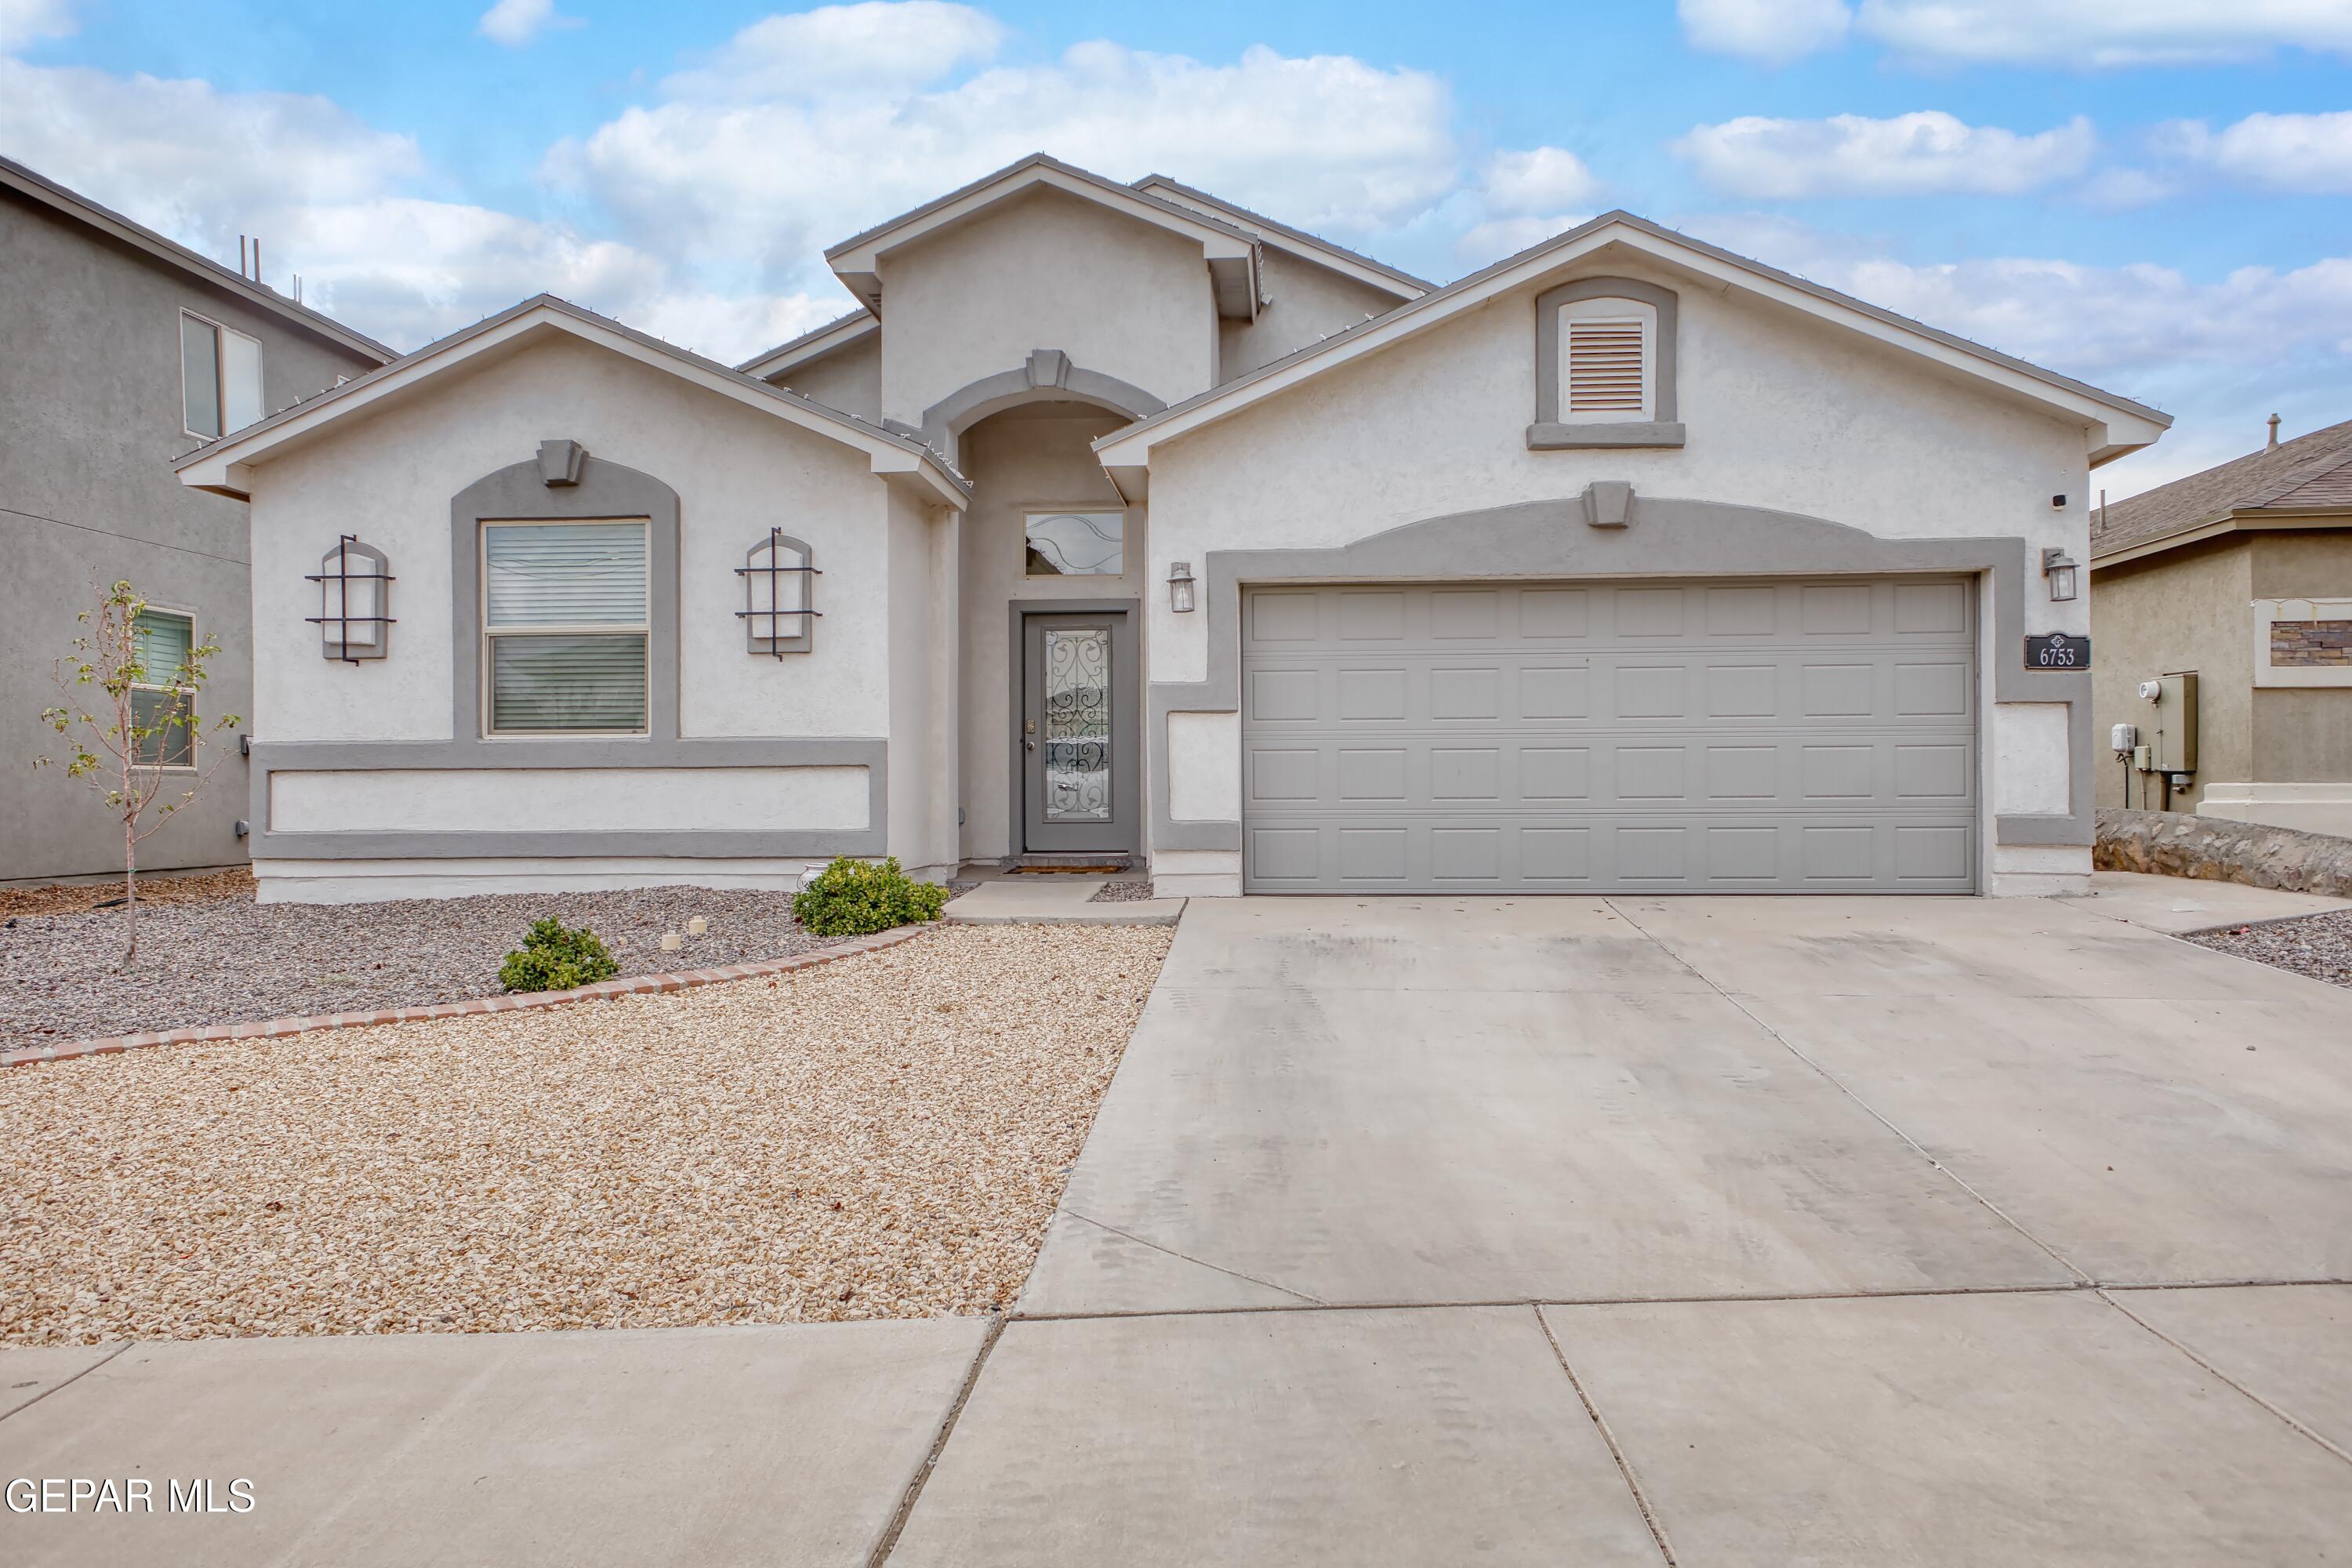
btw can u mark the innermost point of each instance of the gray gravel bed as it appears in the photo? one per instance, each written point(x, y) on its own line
point(232, 961)
point(1123, 892)
point(2316, 945)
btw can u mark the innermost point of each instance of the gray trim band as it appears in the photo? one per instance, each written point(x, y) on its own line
point(1667, 538)
point(322, 756)
point(945, 422)
point(1571, 438)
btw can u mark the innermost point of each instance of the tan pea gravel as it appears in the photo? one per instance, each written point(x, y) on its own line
point(883, 1136)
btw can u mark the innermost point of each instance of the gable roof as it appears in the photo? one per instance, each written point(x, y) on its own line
point(2123, 425)
point(40, 188)
point(837, 334)
point(1299, 242)
point(1230, 251)
point(225, 466)
point(2312, 472)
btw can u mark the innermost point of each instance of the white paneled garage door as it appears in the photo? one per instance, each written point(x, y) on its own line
point(1752, 735)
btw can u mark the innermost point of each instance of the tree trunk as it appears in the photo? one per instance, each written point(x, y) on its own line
point(129, 890)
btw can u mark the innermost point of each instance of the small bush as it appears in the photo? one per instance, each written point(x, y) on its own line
point(554, 959)
point(852, 898)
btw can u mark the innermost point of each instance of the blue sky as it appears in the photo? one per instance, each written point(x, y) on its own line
point(2152, 194)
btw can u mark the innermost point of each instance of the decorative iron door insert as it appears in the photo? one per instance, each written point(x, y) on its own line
point(1078, 731)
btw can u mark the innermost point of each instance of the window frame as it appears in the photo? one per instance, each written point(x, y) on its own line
point(1659, 422)
point(486, 634)
point(190, 734)
point(221, 330)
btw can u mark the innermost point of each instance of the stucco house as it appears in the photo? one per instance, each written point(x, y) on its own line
point(122, 351)
point(1118, 521)
point(2231, 591)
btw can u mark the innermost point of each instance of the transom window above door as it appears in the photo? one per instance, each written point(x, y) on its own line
point(1075, 543)
point(565, 627)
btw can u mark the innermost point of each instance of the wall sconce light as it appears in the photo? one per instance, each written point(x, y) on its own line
point(355, 618)
point(779, 613)
point(1180, 588)
point(2061, 574)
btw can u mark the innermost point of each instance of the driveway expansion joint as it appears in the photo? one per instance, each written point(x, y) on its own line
point(1624, 1466)
point(1835, 1082)
point(888, 1541)
point(1188, 1258)
point(2282, 1416)
point(28, 1404)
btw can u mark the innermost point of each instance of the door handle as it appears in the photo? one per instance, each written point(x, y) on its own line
point(1031, 744)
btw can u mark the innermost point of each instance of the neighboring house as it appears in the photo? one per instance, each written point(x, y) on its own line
point(2242, 576)
point(123, 351)
point(1123, 522)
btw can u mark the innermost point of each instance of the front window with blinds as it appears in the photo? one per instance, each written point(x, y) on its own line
point(161, 641)
point(220, 377)
point(1608, 353)
point(565, 626)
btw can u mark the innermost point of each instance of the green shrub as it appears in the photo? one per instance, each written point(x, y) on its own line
point(554, 959)
point(852, 898)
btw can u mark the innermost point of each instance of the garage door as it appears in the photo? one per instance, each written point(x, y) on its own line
point(1740, 736)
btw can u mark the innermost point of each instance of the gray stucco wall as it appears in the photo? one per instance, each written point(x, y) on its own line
point(2302, 735)
point(1304, 303)
point(849, 379)
point(2186, 609)
point(90, 408)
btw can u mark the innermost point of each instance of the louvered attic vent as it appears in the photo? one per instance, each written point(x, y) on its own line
point(1604, 368)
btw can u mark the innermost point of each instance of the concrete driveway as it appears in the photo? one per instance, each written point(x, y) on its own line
point(1722, 1231)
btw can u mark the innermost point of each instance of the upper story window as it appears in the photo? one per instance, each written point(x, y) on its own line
point(220, 377)
point(1077, 543)
point(1605, 365)
point(566, 625)
point(163, 641)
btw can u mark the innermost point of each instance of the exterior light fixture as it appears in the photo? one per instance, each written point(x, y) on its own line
point(355, 618)
point(2061, 575)
point(1180, 588)
point(779, 613)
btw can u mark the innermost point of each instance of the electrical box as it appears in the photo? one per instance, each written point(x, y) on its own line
point(2171, 732)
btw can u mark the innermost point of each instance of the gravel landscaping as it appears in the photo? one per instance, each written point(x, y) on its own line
point(2316, 945)
point(1127, 892)
point(884, 1136)
point(225, 959)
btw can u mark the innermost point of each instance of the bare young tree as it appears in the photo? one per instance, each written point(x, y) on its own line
point(140, 740)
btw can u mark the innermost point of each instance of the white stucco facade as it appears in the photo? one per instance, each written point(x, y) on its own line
point(1048, 341)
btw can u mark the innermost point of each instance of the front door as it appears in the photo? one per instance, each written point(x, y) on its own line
point(1079, 733)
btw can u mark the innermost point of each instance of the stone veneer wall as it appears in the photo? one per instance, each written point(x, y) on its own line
point(2176, 844)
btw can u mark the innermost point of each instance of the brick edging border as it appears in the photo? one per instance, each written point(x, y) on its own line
point(603, 990)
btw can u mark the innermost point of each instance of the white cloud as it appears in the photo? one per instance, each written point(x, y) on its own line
point(326, 193)
point(1923, 154)
point(744, 163)
point(840, 49)
point(2103, 32)
point(1540, 180)
point(2075, 33)
point(1487, 243)
point(516, 22)
point(2305, 153)
point(24, 21)
point(1773, 31)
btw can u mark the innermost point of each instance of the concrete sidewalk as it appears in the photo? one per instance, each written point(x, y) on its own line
point(1842, 1231)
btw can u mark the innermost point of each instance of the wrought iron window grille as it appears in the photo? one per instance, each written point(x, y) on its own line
point(776, 641)
point(336, 576)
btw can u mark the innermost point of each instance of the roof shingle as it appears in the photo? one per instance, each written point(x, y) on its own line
point(2310, 470)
